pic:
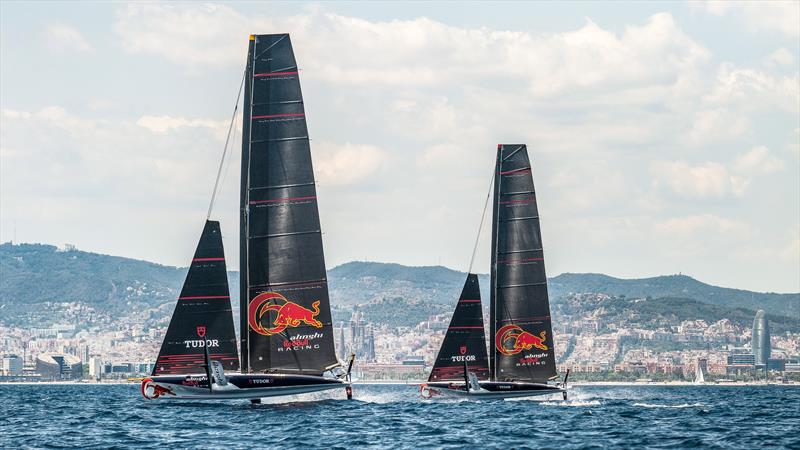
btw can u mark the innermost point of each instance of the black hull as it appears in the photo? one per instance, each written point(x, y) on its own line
point(491, 389)
point(239, 386)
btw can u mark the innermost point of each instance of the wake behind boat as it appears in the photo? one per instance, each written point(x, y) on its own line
point(286, 344)
point(522, 360)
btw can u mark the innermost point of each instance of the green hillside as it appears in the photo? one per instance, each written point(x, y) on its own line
point(39, 282)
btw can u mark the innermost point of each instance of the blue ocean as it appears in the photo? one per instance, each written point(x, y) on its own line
point(393, 416)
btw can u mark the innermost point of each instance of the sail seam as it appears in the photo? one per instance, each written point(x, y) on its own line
point(522, 285)
point(289, 283)
point(520, 251)
point(273, 74)
point(521, 170)
point(281, 186)
point(287, 199)
point(517, 218)
point(279, 116)
point(259, 141)
point(284, 234)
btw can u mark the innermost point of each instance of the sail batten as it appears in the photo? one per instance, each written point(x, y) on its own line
point(522, 335)
point(286, 319)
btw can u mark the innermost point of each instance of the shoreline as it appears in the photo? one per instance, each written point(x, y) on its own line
point(418, 382)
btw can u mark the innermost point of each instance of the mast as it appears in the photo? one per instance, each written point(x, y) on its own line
point(286, 318)
point(522, 335)
point(465, 341)
point(202, 316)
point(247, 112)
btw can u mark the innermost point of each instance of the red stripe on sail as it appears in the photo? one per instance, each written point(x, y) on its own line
point(286, 199)
point(277, 116)
point(273, 74)
point(201, 297)
point(207, 259)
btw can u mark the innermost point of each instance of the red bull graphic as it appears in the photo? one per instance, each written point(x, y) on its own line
point(511, 339)
point(151, 390)
point(289, 313)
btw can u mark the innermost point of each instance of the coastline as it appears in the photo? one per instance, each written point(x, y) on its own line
point(418, 382)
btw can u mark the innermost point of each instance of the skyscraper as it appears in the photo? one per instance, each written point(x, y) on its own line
point(761, 344)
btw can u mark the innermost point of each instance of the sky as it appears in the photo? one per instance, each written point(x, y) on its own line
point(664, 136)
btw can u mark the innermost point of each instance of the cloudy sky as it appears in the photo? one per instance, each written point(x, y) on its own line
point(665, 137)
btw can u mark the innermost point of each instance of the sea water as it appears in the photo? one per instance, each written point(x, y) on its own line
point(393, 416)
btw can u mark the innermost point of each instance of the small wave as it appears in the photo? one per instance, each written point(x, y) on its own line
point(682, 405)
point(573, 403)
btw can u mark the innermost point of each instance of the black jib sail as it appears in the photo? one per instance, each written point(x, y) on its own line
point(202, 315)
point(521, 333)
point(465, 341)
point(285, 310)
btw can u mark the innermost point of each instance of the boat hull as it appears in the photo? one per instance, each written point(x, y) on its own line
point(490, 390)
point(239, 386)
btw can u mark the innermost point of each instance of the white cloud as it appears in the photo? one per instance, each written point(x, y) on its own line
point(165, 124)
point(791, 251)
point(750, 89)
point(60, 37)
point(773, 16)
point(701, 225)
point(346, 164)
point(757, 161)
point(200, 34)
point(421, 51)
point(780, 57)
point(711, 125)
point(705, 180)
point(716, 180)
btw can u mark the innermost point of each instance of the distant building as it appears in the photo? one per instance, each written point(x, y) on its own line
point(95, 367)
point(12, 366)
point(54, 366)
point(362, 337)
point(342, 343)
point(762, 348)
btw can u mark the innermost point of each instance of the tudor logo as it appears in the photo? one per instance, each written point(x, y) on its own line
point(463, 350)
point(201, 331)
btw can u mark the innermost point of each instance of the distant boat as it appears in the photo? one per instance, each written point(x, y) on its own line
point(521, 362)
point(699, 378)
point(286, 344)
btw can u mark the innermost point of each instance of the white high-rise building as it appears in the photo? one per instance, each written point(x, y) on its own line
point(95, 367)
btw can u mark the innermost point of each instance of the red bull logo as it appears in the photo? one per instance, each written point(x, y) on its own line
point(511, 339)
point(289, 314)
point(151, 390)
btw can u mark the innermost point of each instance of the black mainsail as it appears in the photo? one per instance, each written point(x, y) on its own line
point(285, 309)
point(522, 335)
point(465, 340)
point(202, 314)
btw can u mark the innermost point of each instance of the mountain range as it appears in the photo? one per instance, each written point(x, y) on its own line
point(37, 281)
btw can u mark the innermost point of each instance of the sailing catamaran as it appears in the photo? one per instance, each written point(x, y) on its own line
point(286, 343)
point(522, 360)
